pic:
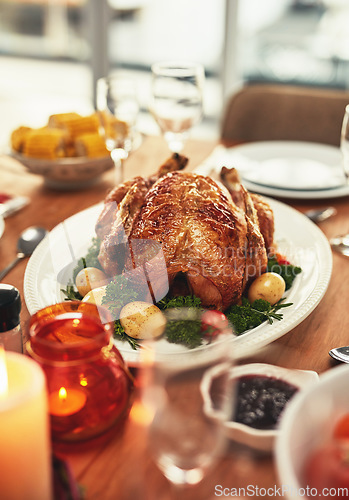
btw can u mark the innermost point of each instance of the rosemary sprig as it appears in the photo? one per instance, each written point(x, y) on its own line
point(120, 334)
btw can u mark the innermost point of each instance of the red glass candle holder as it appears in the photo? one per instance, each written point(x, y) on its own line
point(89, 386)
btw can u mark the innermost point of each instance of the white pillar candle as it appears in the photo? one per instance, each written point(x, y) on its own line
point(25, 455)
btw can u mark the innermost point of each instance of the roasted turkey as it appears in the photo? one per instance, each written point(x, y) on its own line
point(214, 236)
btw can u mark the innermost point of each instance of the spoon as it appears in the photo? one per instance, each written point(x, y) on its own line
point(340, 354)
point(26, 244)
point(321, 214)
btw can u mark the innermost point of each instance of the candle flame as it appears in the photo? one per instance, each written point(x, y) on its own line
point(62, 394)
point(83, 382)
point(3, 373)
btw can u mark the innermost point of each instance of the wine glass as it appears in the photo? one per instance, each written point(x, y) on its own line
point(177, 99)
point(188, 406)
point(345, 144)
point(118, 108)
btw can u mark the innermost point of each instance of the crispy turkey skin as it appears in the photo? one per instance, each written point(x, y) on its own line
point(210, 235)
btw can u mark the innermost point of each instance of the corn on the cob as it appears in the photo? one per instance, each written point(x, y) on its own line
point(18, 137)
point(45, 143)
point(75, 124)
point(69, 135)
point(91, 145)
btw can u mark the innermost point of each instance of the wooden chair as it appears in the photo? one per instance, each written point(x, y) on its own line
point(283, 112)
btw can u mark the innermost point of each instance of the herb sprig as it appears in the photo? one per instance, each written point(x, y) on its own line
point(247, 316)
point(70, 292)
point(120, 334)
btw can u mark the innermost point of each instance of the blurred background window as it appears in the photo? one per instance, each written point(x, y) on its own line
point(52, 51)
point(302, 42)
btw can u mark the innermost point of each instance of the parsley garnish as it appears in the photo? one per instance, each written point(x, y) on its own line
point(187, 332)
point(287, 271)
point(246, 316)
point(180, 301)
point(118, 293)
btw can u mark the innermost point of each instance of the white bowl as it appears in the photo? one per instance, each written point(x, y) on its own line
point(306, 423)
point(258, 439)
point(67, 173)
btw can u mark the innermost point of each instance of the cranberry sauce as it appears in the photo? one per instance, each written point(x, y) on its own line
point(261, 400)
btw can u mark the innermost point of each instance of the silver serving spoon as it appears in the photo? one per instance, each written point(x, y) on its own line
point(26, 244)
point(340, 354)
point(321, 214)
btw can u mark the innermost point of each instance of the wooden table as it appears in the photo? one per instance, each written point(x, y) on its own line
point(121, 469)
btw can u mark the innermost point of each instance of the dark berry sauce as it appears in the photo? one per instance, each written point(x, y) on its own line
point(261, 400)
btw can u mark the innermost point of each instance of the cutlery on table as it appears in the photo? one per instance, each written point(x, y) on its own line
point(10, 205)
point(340, 354)
point(320, 214)
point(26, 244)
point(341, 244)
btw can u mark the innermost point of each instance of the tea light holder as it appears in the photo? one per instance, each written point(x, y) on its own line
point(89, 386)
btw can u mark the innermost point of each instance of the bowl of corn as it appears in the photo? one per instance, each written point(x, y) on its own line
point(69, 151)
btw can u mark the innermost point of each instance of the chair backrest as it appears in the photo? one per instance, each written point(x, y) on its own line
point(282, 112)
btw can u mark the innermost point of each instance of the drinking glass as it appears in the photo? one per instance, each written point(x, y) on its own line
point(187, 406)
point(177, 99)
point(345, 144)
point(118, 108)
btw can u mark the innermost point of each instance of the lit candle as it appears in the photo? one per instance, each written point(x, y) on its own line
point(66, 402)
point(25, 456)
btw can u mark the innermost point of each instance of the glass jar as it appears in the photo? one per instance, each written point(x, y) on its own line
point(89, 386)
